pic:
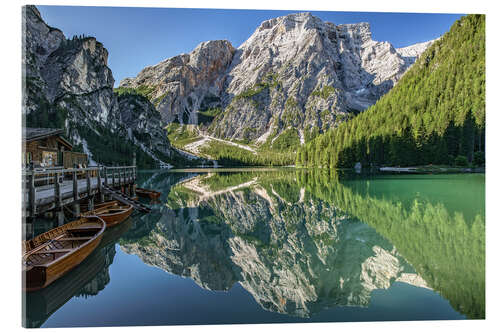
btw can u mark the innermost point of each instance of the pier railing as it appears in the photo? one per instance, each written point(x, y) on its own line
point(56, 187)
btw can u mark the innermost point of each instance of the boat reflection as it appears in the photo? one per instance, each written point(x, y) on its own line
point(87, 279)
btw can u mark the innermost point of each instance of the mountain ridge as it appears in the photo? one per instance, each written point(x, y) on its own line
point(293, 58)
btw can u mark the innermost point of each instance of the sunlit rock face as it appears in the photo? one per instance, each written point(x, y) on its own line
point(294, 254)
point(68, 80)
point(186, 82)
point(294, 71)
point(71, 75)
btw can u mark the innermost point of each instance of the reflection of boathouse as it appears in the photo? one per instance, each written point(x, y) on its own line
point(46, 147)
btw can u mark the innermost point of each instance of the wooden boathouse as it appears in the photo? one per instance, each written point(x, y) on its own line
point(46, 147)
point(56, 180)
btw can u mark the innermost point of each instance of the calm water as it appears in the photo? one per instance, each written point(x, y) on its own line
point(282, 246)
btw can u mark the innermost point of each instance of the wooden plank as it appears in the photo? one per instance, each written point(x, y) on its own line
point(32, 202)
point(117, 195)
point(99, 185)
point(87, 175)
point(53, 251)
point(75, 186)
point(37, 199)
point(74, 238)
point(105, 176)
point(57, 190)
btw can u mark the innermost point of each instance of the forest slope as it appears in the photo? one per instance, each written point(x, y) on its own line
point(435, 114)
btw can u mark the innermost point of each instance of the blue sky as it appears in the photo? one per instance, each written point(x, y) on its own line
point(139, 37)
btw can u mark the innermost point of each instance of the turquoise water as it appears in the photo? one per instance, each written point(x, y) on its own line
point(257, 246)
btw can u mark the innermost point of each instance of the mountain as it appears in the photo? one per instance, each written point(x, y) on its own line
point(435, 114)
point(67, 84)
point(186, 82)
point(295, 74)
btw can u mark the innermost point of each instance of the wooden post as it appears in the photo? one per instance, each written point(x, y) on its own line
point(57, 190)
point(134, 170)
point(91, 203)
point(75, 186)
point(76, 198)
point(105, 176)
point(29, 227)
point(58, 200)
point(87, 174)
point(31, 194)
point(60, 217)
point(99, 185)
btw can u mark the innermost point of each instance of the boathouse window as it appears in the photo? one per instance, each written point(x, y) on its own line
point(49, 158)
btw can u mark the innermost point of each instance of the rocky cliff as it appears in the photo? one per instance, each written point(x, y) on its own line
point(187, 82)
point(68, 84)
point(295, 71)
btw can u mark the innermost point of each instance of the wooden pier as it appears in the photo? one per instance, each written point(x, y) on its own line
point(55, 188)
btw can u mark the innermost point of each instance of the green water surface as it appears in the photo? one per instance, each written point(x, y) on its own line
point(282, 245)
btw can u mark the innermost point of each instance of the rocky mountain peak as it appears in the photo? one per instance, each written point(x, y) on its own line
point(211, 53)
point(302, 21)
point(68, 84)
point(294, 71)
point(186, 82)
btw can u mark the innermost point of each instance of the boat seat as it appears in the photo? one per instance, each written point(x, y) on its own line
point(74, 238)
point(85, 228)
point(54, 251)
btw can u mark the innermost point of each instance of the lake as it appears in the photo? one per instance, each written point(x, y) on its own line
point(282, 245)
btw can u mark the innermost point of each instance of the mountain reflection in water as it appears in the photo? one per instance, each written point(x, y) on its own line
point(301, 243)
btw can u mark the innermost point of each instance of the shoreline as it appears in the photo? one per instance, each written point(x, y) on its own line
point(431, 169)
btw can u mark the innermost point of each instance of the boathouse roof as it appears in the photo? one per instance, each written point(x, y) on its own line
point(32, 134)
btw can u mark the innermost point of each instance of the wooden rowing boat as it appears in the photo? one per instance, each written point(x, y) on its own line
point(41, 304)
point(52, 254)
point(85, 207)
point(142, 192)
point(112, 214)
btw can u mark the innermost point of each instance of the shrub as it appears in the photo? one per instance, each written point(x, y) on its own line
point(461, 160)
point(479, 159)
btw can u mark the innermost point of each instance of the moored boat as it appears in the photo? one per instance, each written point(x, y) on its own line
point(112, 214)
point(142, 192)
point(85, 206)
point(52, 254)
point(41, 304)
